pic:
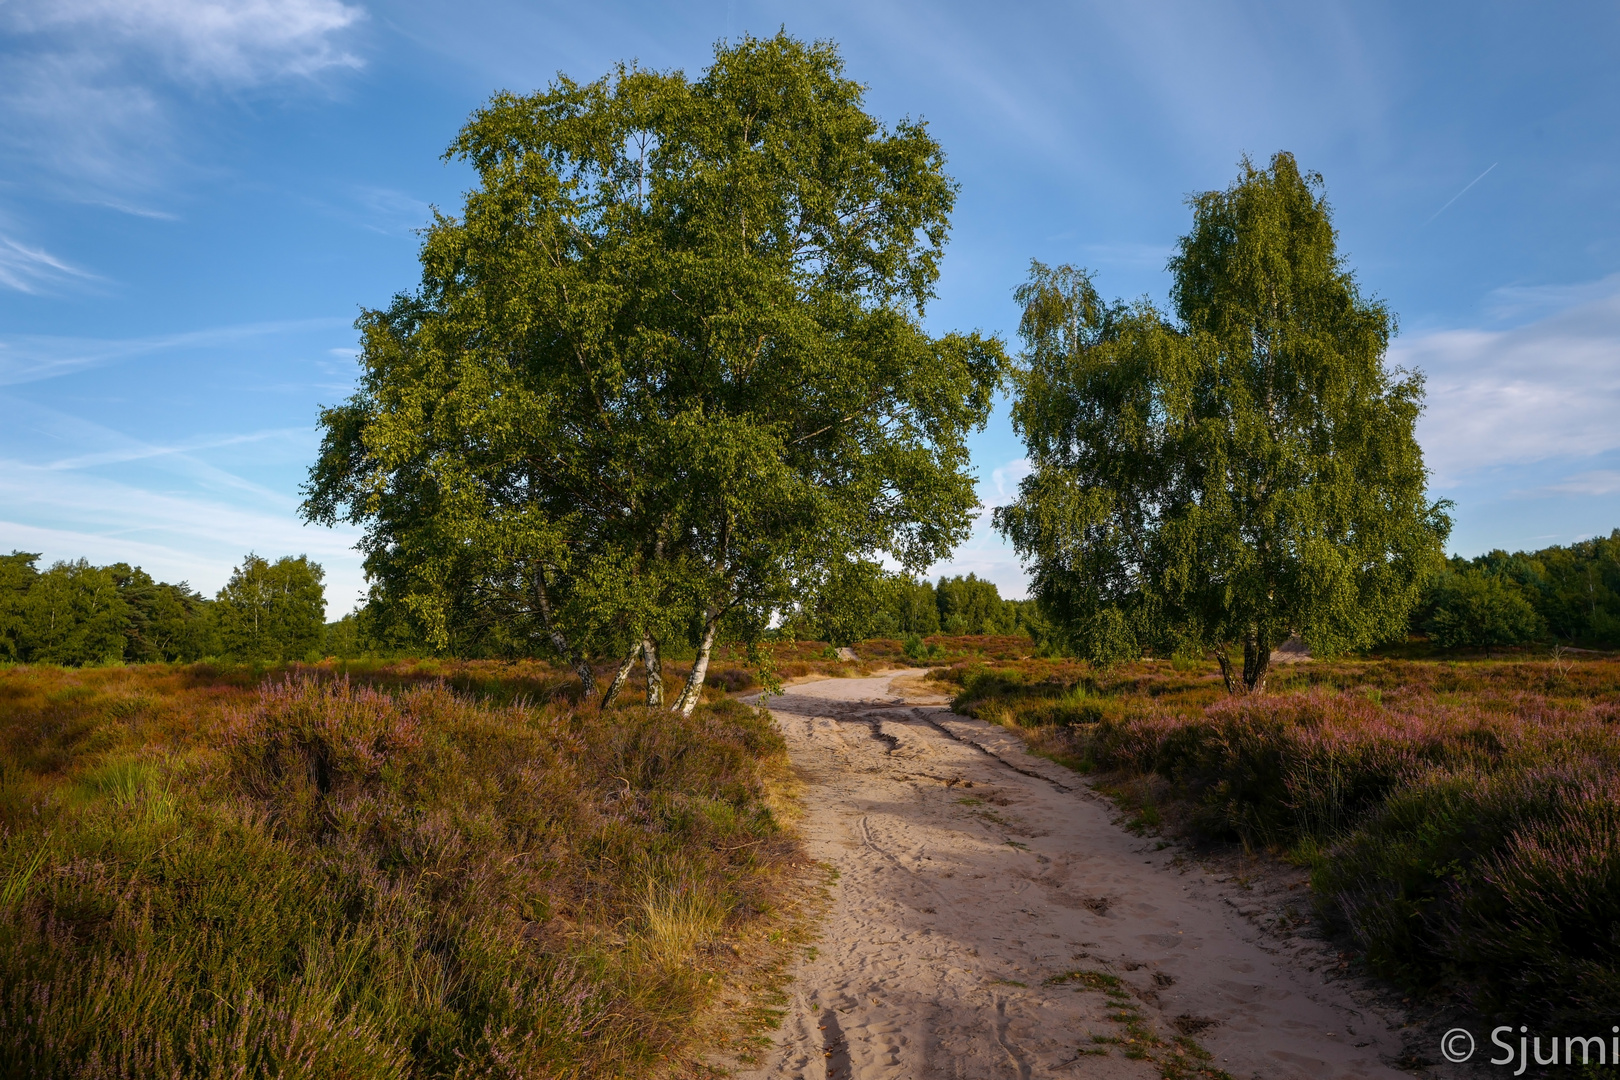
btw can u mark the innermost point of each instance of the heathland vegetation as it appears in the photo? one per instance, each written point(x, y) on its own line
point(1460, 819)
point(212, 871)
point(665, 396)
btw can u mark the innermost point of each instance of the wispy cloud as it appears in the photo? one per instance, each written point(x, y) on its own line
point(32, 270)
point(138, 451)
point(91, 88)
point(1546, 390)
point(31, 358)
point(234, 42)
point(73, 514)
point(1523, 303)
point(1596, 483)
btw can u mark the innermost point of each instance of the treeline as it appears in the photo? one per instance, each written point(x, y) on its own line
point(1566, 595)
point(77, 613)
point(902, 606)
point(871, 605)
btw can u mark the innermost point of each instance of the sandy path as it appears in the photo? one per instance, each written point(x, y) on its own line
point(970, 873)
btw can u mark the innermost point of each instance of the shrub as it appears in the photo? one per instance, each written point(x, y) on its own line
point(1507, 885)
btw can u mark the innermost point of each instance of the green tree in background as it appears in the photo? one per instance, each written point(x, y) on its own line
point(17, 576)
point(667, 373)
point(73, 614)
point(865, 602)
point(273, 611)
point(914, 605)
point(166, 622)
point(1243, 473)
point(1574, 589)
point(1477, 609)
point(971, 605)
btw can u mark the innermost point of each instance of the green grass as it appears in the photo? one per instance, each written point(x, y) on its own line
point(1177, 1058)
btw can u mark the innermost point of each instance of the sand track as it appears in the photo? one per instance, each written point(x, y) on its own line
point(971, 874)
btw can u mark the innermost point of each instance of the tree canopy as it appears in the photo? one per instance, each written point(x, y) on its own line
point(77, 613)
point(667, 370)
point(1241, 472)
point(273, 610)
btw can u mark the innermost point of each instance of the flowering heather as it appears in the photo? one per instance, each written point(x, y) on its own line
point(319, 879)
point(1462, 819)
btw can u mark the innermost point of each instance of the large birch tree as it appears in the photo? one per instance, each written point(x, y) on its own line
point(1244, 471)
point(667, 370)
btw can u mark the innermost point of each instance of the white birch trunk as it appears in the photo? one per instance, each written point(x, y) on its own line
point(622, 676)
point(692, 693)
point(655, 673)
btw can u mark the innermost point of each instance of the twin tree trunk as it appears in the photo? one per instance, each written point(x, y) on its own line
point(645, 650)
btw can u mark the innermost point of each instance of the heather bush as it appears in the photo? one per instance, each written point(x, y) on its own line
point(1505, 884)
point(341, 881)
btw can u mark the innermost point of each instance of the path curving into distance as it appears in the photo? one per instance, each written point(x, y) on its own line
point(985, 903)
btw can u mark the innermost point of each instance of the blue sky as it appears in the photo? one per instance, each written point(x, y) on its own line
point(198, 196)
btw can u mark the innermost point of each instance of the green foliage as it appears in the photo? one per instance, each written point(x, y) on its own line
point(1479, 610)
point(273, 611)
point(969, 605)
point(914, 606)
point(668, 369)
point(862, 601)
point(73, 614)
point(166, 622)
point(849, 606)
point(17, 576)
point(1574, 590)
point(1243, 473)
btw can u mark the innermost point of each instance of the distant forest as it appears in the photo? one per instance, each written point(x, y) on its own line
point(74, 613)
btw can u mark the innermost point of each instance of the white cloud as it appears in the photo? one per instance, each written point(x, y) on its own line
point(1004, 479)
point(235, 42)
point(87, 87)
point(31, 270)
point(1547, 390)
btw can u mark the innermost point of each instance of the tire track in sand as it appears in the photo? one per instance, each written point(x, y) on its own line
point(970, 873)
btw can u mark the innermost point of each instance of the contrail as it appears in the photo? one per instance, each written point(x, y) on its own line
point(1461, 193)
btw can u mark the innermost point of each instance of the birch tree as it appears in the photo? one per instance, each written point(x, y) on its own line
point(666, 366)
point(1244, 471)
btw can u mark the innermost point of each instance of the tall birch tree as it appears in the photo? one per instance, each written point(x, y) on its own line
point(666, 369)
point(1245, 471)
